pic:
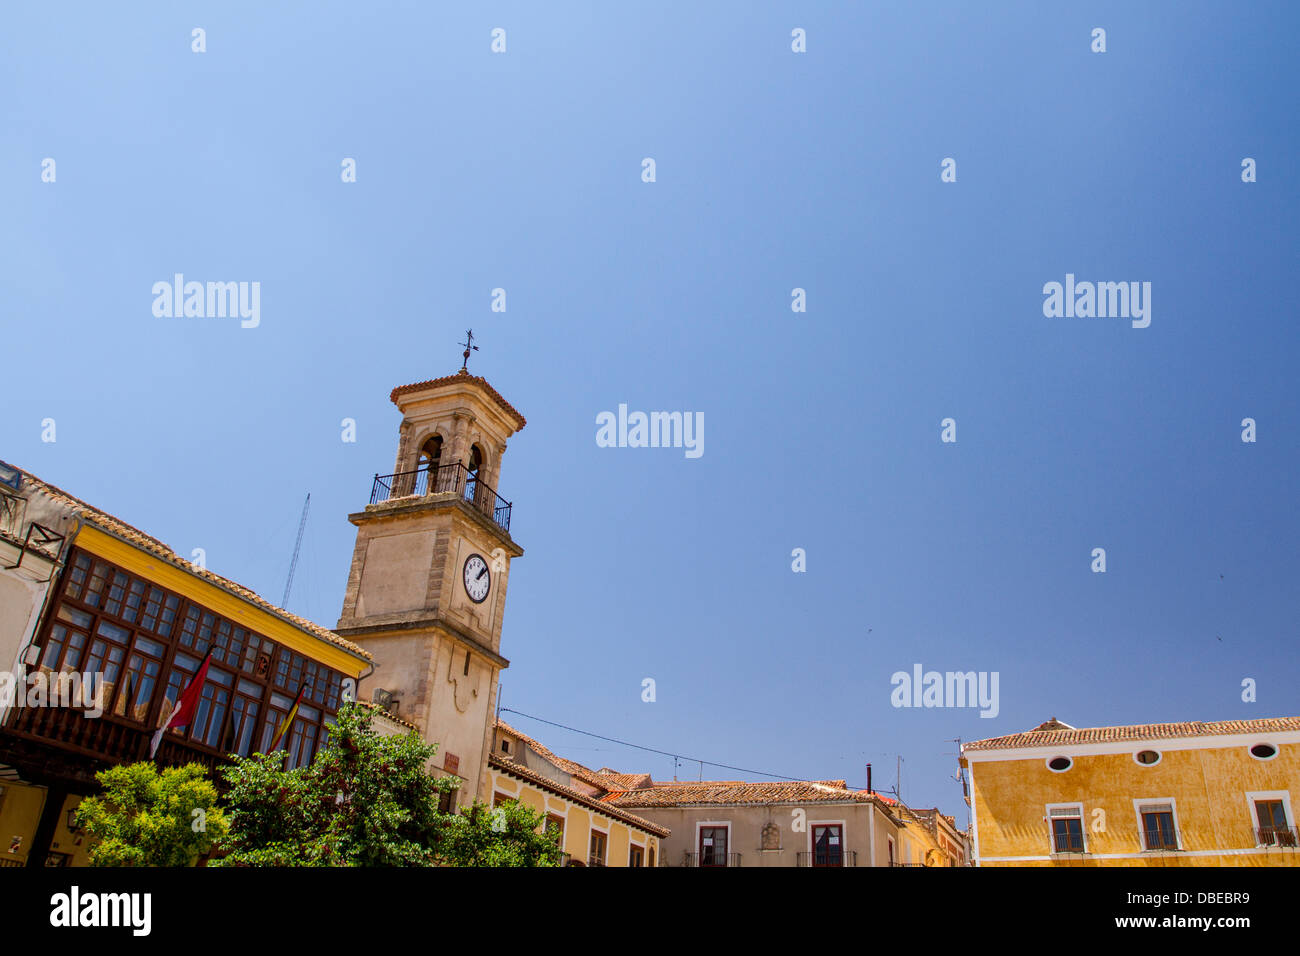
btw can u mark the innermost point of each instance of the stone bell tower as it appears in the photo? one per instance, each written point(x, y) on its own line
point(427, 591)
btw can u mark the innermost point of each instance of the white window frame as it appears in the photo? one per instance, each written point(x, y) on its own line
point(1253, 795)
point(595, 829)
point(1138, 804)
point(844, 838)
point(1051, 833)
point(711, 823)
point(1277, 750)
point(632, 844)
point(547, 813)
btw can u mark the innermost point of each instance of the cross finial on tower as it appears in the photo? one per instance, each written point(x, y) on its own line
point(469, 345)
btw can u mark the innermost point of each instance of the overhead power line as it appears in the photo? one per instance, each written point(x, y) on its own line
point(662, 753)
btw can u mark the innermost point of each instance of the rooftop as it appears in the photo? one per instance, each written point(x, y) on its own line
point(738, 792)
point(506, 765)
point(462, 378)
point(120, 529)
point(598, 779)
point(1054, 734)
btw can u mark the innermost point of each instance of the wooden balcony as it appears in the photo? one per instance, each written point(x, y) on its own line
point(104, 739)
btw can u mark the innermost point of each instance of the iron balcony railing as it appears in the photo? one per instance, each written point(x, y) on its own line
point(1161, 841)
point(827, 858)
point(1278, 836)
point(712, 860)
point(451, 479)
point(1068, 843)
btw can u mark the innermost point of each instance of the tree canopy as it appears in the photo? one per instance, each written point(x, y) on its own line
point(148, 817)
point(368, 800)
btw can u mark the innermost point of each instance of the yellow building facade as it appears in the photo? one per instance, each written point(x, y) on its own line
point(589, 836)
point(1183, 794)
point(593, 833)
point(927, 838)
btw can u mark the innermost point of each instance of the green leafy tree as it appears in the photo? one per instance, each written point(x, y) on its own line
point(367, 800)
point(148, 817)
point(506, 835)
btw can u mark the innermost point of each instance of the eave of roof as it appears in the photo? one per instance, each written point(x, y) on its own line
point(572, 768)
point(379, 711)
point(519, 770)
point(1134, 732)
point(146, 542)
point(739, 793)
point(460, 378)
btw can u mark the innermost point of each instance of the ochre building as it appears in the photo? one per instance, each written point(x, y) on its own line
point(1183, 794)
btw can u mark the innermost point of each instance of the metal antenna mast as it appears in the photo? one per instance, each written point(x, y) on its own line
point(296, 548)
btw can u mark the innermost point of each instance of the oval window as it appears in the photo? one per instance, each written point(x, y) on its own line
point(1147, 757)
point(1060, 764)
point(1263, 751)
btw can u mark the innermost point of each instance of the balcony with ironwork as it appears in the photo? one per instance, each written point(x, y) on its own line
point(827, 858)
point(711, 860)
point(451, 481)
point(1285, 837)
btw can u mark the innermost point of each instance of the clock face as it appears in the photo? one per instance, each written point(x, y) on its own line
point(477, 578)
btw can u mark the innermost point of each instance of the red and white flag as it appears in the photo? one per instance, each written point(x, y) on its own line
point(185, 707)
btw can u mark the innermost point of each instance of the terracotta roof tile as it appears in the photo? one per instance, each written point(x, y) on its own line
point(119, 528)
point(639, 790)
point(689, 793)
point(1134, 732)
point(623, 781)
point(462, 377)
point(383, 713)
point(506, 765)
point(599, 780)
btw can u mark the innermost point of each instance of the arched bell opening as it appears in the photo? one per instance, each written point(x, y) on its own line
point(432, 476)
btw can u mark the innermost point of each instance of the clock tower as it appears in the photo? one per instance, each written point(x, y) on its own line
point(427, 590)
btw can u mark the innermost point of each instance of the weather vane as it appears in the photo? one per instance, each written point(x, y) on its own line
point(469, 345)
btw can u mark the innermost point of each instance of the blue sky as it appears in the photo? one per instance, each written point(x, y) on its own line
point(775, 170)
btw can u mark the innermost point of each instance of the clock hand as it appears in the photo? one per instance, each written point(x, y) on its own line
point(481, 573)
